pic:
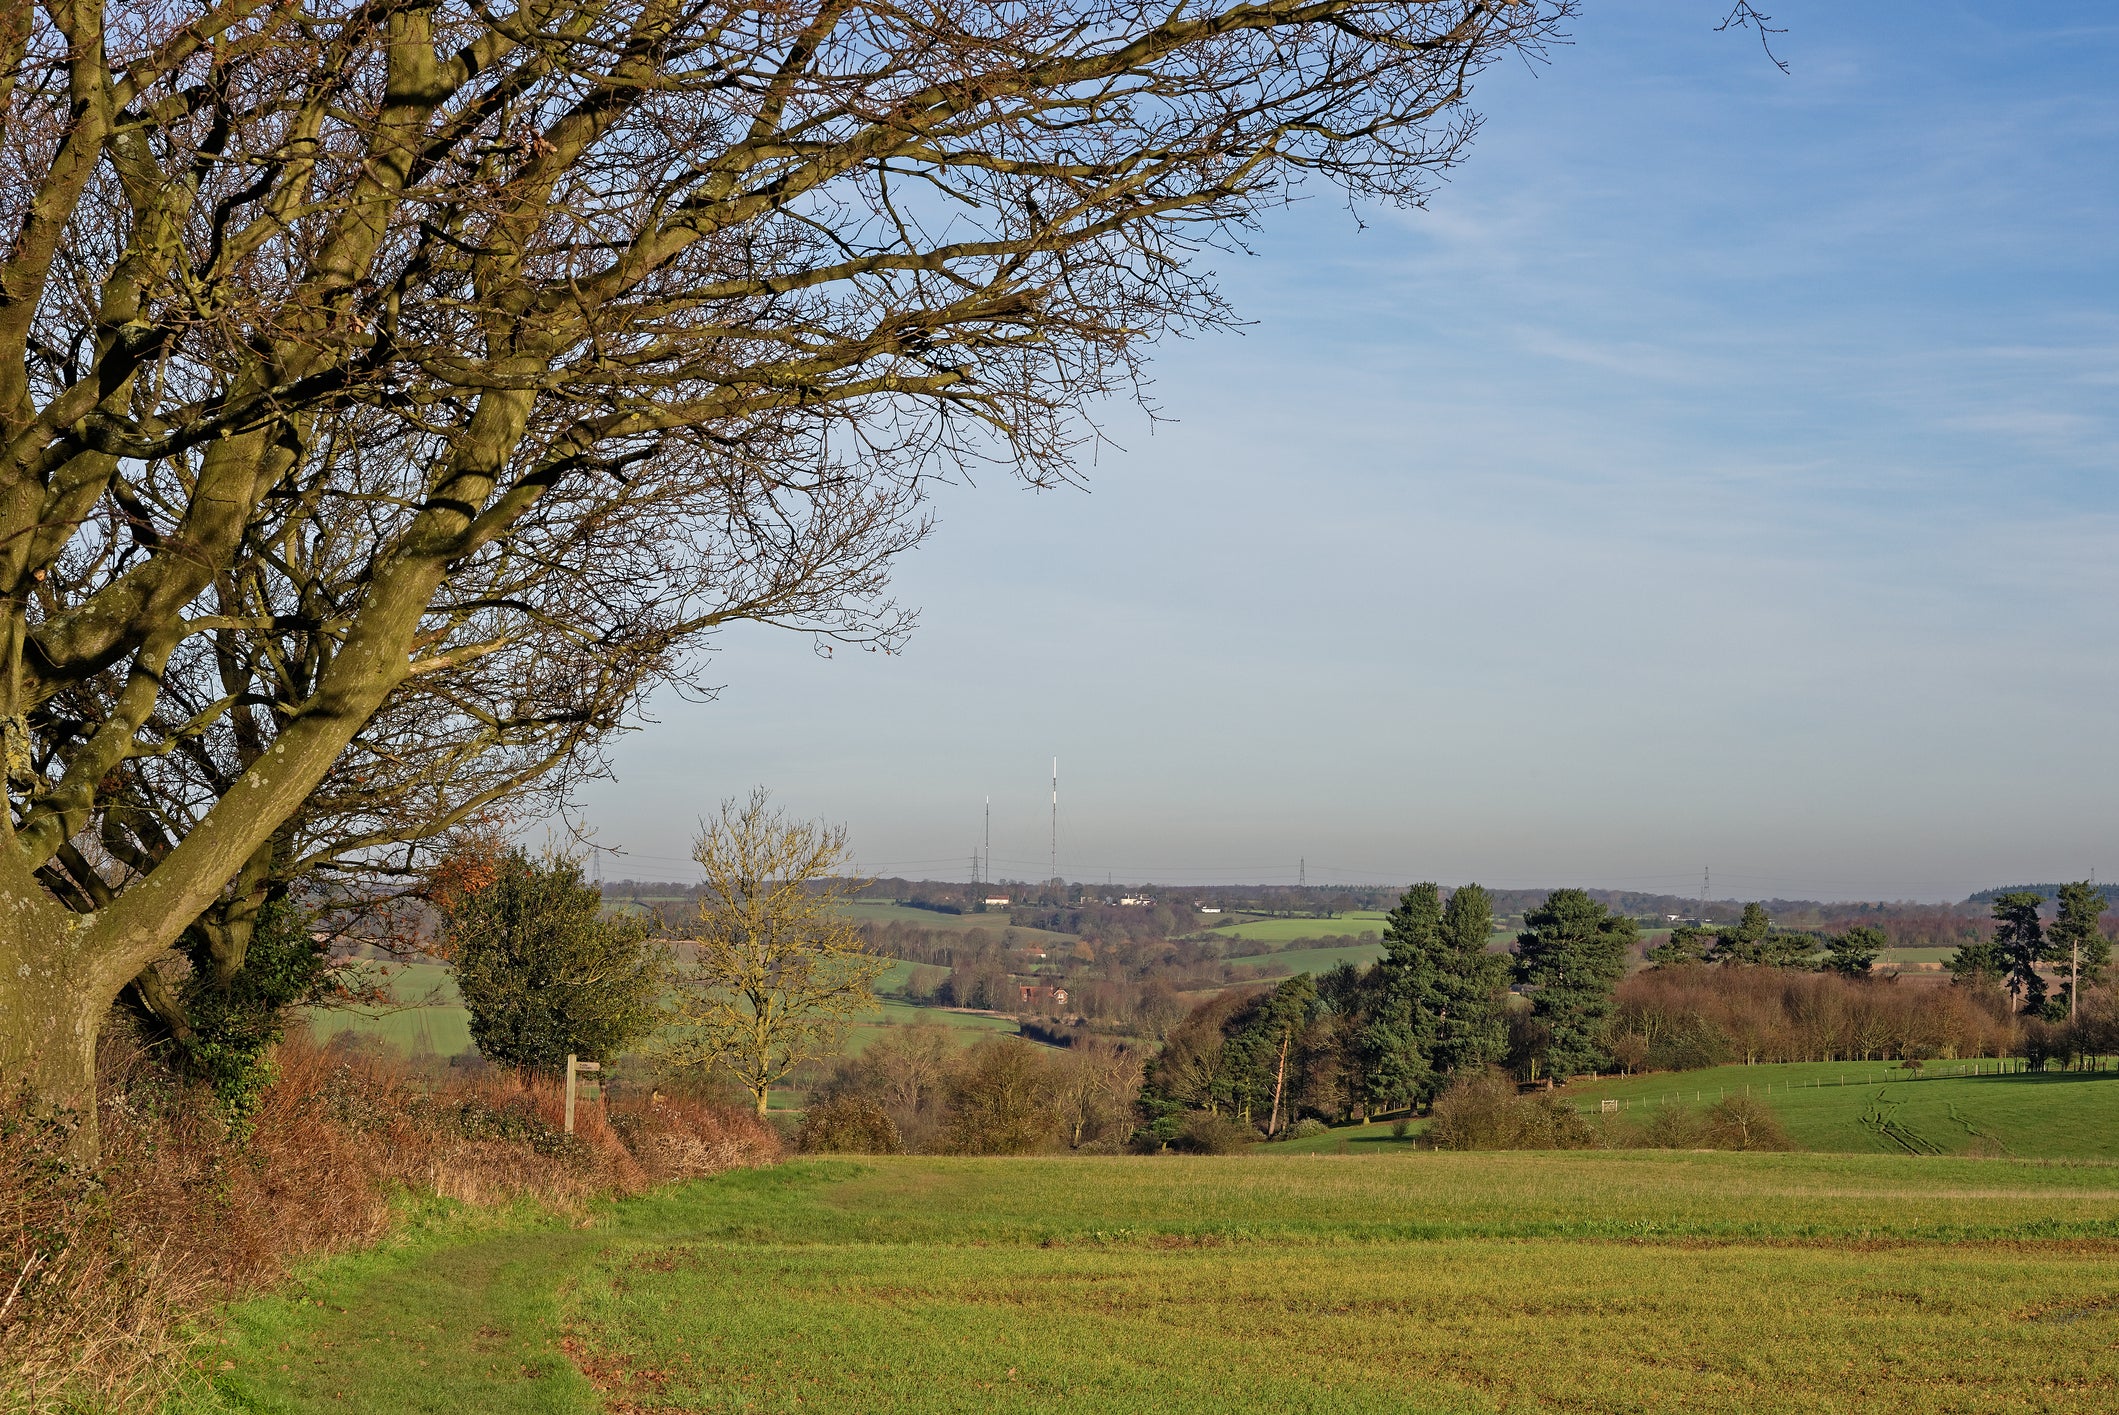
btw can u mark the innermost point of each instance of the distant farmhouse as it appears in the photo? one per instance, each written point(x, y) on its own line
point(1038, 993)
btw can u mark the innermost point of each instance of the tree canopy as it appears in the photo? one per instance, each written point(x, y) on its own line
point(392, 391)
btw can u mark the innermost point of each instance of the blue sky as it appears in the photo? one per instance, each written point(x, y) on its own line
point(1717, 473)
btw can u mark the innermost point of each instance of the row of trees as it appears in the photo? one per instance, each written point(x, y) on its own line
point(2022, 945)
point(915, 1090)
point(2016, 952)
point(1436, 1005)
point(1676, 1019)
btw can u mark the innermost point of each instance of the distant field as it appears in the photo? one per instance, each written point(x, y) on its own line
point(1877, 1107)
point(878, 912)
point(1286, 930)
point(447, 1025)
point(1414, 1283)
point(1312, 960)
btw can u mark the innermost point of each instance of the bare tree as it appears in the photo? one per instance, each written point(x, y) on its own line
point(776, 971)
point(368, 364)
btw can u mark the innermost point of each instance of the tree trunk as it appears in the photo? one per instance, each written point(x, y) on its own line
point(762, 1093)
point(1280, 1081)
point(49, 1019)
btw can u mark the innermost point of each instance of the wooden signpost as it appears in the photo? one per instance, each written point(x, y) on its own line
point(574, 1068)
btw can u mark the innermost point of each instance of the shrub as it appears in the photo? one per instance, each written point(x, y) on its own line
point(1673, 1127)
point(541, 971)
point(106, 1266)
point(848, 1125)
point(1482, 1111)
point(1741, 1123)
point(1707, 1016)
point(1206, 1134)
point(233, 1023)
point(1306, 1128)
point(1000, 1102)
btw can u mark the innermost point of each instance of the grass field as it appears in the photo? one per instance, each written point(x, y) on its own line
point(1312, 960)
point(1878, 1107)
point(881, 912)
point(446, 1025)
point(1287, 930)
point(1409, 1282)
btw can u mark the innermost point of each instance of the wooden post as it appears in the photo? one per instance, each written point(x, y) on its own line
point(574, 1068)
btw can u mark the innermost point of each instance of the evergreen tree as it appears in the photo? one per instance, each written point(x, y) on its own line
point(1755, 941)
point(1979, 962)
point(1573, 952)
point(1854, 952)
point(2020, 946)
point(1743, 943)
point(1399, 1036)
point(542, 973)
point(2077, 943)
point(1688, 943)
point(1471, 990)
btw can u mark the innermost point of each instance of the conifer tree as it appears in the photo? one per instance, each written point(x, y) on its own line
point(1573, 952)
point(2076, 941)
point(1399, 1036)
point(1471, 989)
point(1688, 943)
point(2020, 946)
point(1854, 952)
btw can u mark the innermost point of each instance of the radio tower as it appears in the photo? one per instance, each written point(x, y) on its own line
point(1302, 873)
point(986, 875)
point(1055, 820)
point(1706, 874)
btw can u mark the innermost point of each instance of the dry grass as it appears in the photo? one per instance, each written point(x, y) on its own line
point(99, 1271)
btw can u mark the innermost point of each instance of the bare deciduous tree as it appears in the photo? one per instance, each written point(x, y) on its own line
point(775, 971)
point(390, 387)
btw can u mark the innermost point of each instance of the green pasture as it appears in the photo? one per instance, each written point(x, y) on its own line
point(1948, 1107)
point(1310, 960)
point(875, 911)
point(1409, 1282)
point(1350, 925)
point(431, 1013)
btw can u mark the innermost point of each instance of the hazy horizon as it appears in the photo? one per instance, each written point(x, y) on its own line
point(1716, 474)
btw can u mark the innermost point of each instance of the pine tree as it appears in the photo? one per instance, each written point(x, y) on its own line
point(1397, 1042)
point(1743, 944)
point(1688, 943)
point(2077, 943)
point(1854, 952)
point(1573, 952)
point(2020, 946)
point(1471, 989)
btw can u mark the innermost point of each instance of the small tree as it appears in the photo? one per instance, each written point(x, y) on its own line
point(776, 971)
point(1001, 1101)
point(542, 972)
point(1854, 952)
point(1687, 943)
